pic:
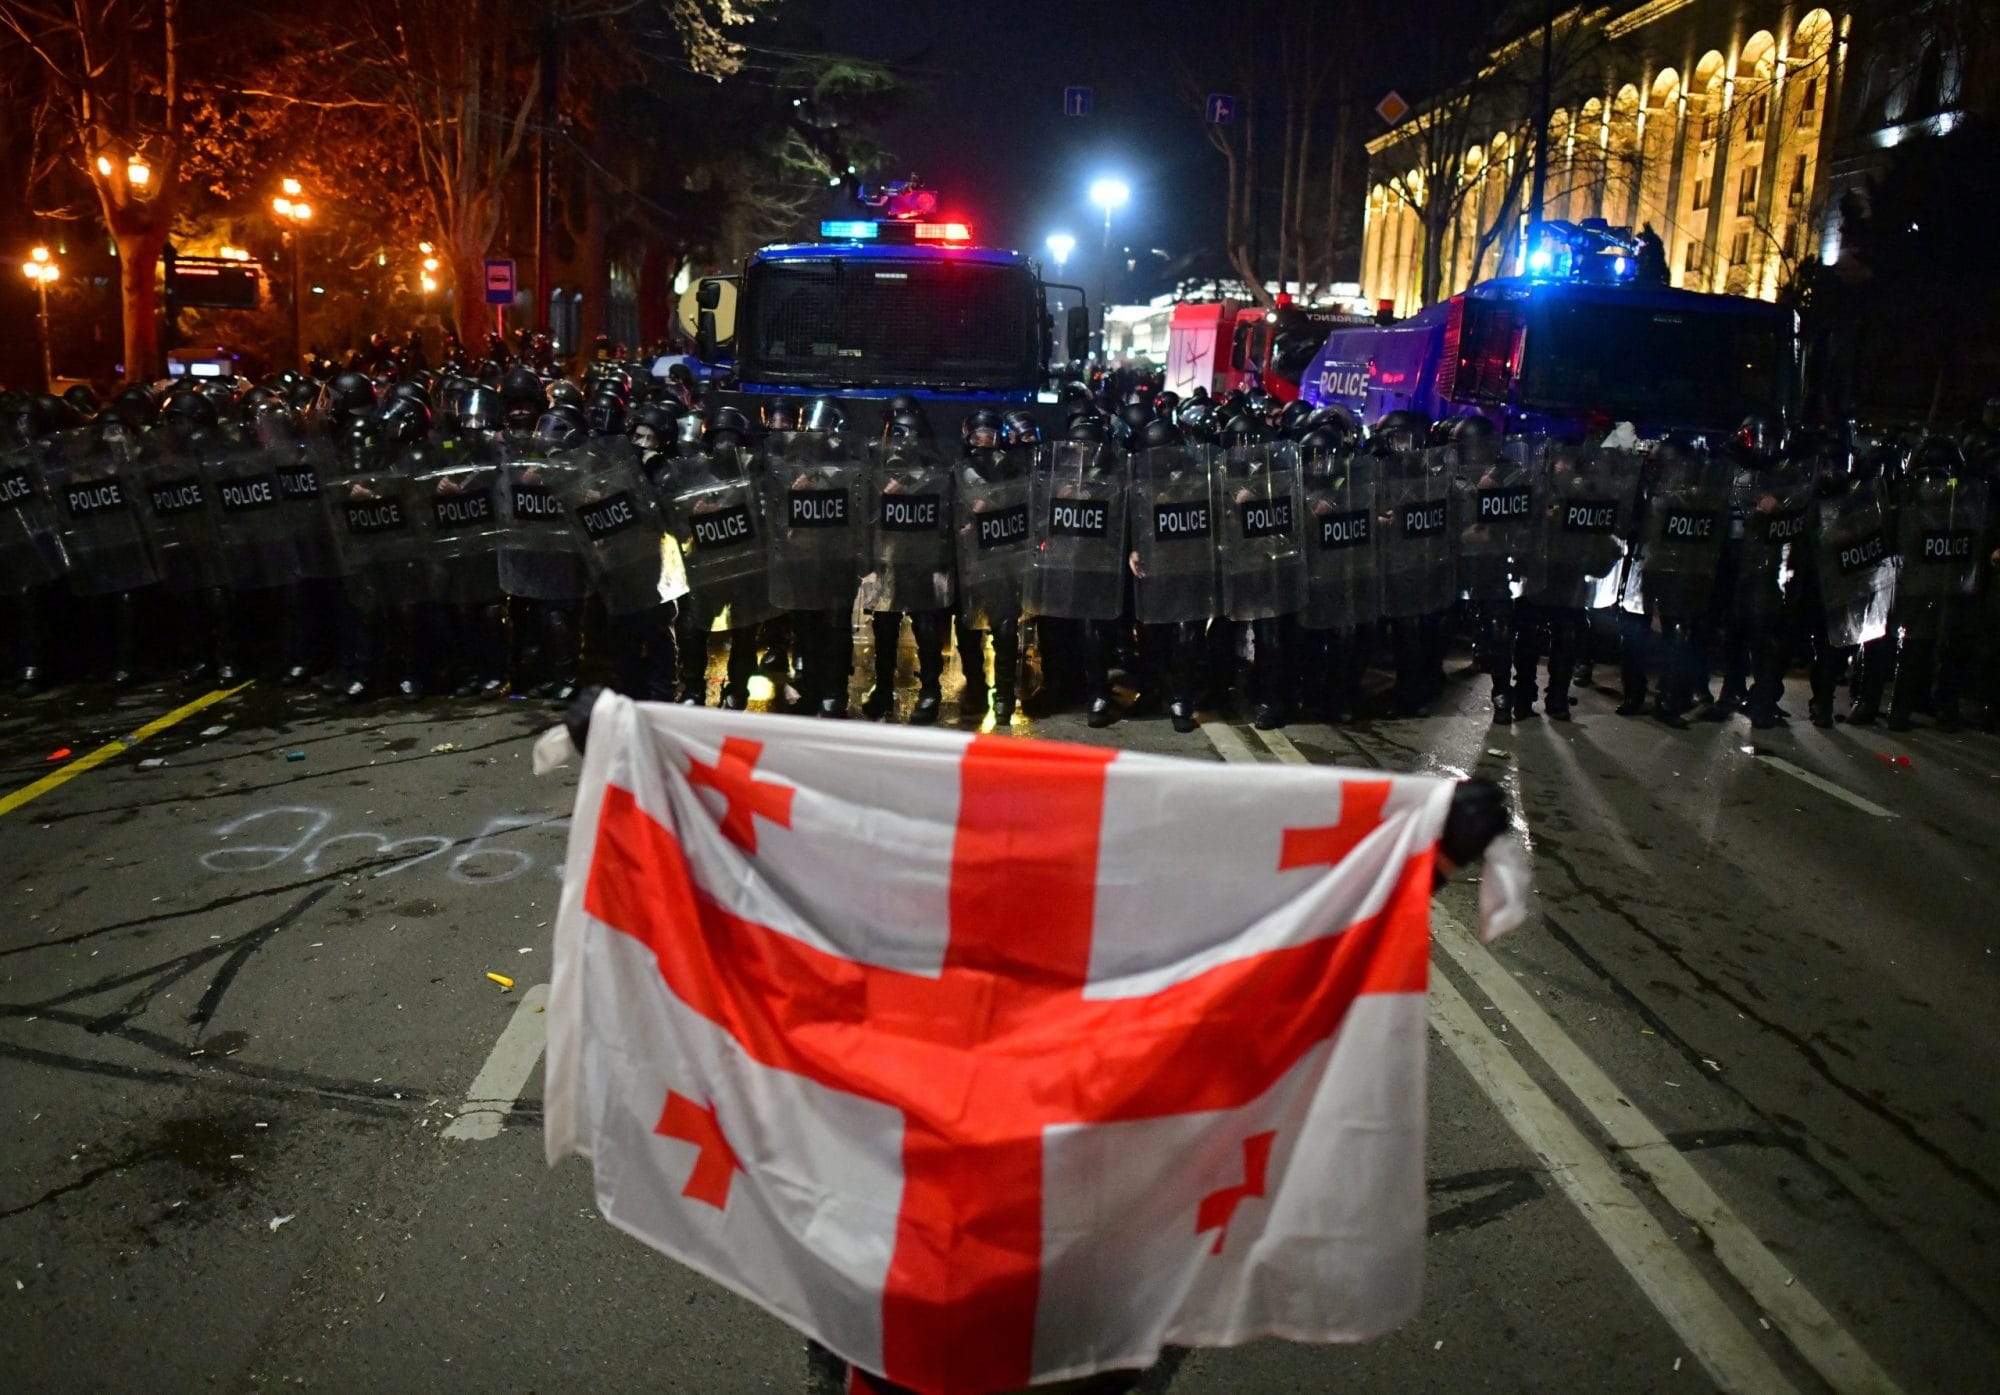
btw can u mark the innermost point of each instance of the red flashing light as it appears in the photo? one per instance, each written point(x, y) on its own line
point(943, 232)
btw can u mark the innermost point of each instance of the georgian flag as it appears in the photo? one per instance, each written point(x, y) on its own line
point(988, 1062)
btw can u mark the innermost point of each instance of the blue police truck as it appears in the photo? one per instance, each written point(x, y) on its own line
point(1578, 340)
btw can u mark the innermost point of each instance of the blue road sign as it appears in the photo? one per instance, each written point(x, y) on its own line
point(499, 281)
point(1221, 108)
point(1076, 101)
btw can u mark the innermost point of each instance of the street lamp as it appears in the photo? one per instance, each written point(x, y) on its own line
point(1107, 194)
point(296, 213)
point(41, 269)
point(1060, 246)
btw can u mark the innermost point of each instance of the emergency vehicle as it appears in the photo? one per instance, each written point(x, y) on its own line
point(1227, 345)
point(1578, 339)
point(880, 307)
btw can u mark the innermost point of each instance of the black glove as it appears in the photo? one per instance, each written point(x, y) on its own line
point(1478, 816)
point(577, 719)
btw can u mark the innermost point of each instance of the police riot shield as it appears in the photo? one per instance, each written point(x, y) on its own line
point(1496, 524)
point(1771, 505)
point(910, 552)
point(1939, 531)
point(1174, 534)
point(1589, 519)
point(718, 516)
point(460, 519)
point(180, 518)
point(816, 511)
point(92, 489)
point(1414, 551)
point(378, 535)
point(1343, 587)
point(617, 524)
point(301, 469)
point(1687, 514)
point(1077, 514)
point(255, 530)
point(1262, 566)
point(31, 552)
point(995, 540)
point(1854, 559)
point(539, 559)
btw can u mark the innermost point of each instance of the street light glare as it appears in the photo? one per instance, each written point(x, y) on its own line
point(282, 207)
point(103, 165)
point(293, 187)
point(302, 211)
point(138, 174)
point(1108, 194)
point(40, 254)
point(1060, 246)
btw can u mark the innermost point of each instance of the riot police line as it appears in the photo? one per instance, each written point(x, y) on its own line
point(475, 535)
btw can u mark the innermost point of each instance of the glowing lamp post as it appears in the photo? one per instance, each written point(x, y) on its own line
point(41, 269)
point(294, 213)
point(1107, 194)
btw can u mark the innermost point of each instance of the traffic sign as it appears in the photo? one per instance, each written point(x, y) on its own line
point(499, 281)
point(1221, 108)
point(1076, 101)
point(1392, 108)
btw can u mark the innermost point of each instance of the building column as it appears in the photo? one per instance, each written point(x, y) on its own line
point(1719, 194)
point(1670, 197)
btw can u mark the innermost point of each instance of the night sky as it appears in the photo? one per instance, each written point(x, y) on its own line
point(990, 134)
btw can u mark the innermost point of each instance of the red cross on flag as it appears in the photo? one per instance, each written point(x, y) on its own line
point(990, 1062)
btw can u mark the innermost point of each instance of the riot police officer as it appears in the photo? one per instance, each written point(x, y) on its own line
point(995, 545)
point(911, 561)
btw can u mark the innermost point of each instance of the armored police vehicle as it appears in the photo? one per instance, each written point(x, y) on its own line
point(1578, 339)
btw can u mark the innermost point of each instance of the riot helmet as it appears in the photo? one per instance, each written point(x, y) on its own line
point(727, 427)
point(980, 430)
point(605, 413)
point(1401, 430)
point(1019, 428)
point(823, 414)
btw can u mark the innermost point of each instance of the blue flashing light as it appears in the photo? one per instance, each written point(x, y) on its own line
point(1539, 260)
point(1620, 266)
point(856, 230)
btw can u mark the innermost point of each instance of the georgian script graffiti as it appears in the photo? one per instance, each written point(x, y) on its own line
point(303, 836)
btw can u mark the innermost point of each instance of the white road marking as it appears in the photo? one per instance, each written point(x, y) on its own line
point(491, 1096)
point(1668, 1277)
point(1819, 1338)
point(1228, 743)
point(1281, 746)
point(1825, 786)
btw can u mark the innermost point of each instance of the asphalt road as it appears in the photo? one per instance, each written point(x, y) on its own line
point(1722, 1113)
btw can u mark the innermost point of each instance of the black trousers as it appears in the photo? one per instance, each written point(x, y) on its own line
point(930, 629)
point(644, 651)
point(1329, 664)
point(1561, 630)
point(1006, 654)
point(1170, 654)
point(823, 648)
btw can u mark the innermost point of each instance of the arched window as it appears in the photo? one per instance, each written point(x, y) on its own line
point(1756, 70)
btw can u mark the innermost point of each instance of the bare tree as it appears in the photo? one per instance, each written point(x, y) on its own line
point(1294, 62)
point(110, 110)
point(1437, 178)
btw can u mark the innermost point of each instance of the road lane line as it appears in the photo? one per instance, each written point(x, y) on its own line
point(1826, 786)
point(1667, 1277)
point(1228, 742)
point(1280, 745)
point(490, 1098)
point(1819, 1338)
point(90, 760)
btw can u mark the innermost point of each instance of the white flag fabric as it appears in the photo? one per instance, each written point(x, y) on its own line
point(989, 1062)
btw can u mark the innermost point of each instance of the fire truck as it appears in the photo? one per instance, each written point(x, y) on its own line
point(1226, 345)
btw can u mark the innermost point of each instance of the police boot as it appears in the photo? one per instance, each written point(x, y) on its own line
point(881, 699)
point(1006, 659)
point(929, 630)
point(972, 699)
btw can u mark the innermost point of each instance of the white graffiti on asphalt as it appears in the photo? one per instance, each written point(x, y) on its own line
point(476, 863)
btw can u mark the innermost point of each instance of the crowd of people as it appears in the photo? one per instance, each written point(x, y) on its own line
point(491, 527)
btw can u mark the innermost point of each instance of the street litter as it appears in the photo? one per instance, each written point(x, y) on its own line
point(502, 980)
point(444, 746)
point(213, 731)
point(151, 763)
point(60, 753)
point(1888, 759)
point(277, 1221)
point(295, 755)
point(525, 949)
